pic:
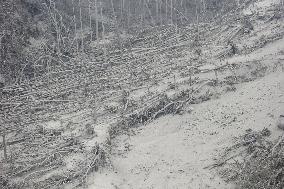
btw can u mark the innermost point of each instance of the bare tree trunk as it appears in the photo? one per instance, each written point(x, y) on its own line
point(166, 11)
point(115, 16)
point(57, 29)
point(142, 13)
point(97, 20)
point(161, 12)
point(150, 13)
point(128, 14)
point(103, 34)
point(81, 25)
point(90, 21)
point(122, 9)
point(197, 18)
point(51, 7)
point(204, 10)
point(182, 10)
point(172, 21)
point(75, 25)
point(177, 16)
point(103, 27)
point(157, 11)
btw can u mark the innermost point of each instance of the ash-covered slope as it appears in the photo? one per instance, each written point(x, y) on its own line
point(63, 125)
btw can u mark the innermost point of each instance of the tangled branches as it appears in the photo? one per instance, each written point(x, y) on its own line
point(258, 163)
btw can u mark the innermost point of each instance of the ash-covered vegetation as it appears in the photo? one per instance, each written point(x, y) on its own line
point(74, 74)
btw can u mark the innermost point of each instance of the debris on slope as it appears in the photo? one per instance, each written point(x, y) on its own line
point(58, 128)
point(254, 161)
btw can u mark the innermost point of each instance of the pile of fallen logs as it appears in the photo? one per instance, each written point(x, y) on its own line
point(240, 162)
point(31, 151)
point(74, 94)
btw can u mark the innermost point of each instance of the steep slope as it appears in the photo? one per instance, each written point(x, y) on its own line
point(174, 151)
point(61, 127)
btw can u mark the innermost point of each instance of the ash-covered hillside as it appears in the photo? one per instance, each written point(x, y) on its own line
point(141, 94)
